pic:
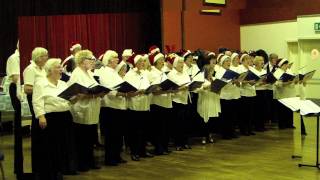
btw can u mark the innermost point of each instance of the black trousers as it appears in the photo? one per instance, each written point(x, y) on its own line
point(228, 117)
point(35, 130)
point(53, 149)
point(246, 114)
point(160, 118)
point(113, 132)
point(136, 125)
point(261, 111)
point(179, 124)
point(270, 105)
point(85, 137)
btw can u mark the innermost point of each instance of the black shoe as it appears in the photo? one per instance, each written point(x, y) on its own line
point(178, 148)
point(245, 134)
point(252, 133)
point(187, 146)
point(135, 158)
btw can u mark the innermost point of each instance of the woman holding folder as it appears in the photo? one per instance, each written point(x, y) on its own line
point(229, 96)
point(248, 93)
point(56, 143)
point(113, 110)
point(161, 105)
point(85, 111)
point(261, 113)
point(139, 105)
point(284, 88)
point(180, 103)
point(208, 105)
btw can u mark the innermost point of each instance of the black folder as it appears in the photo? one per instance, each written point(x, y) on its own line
point(306, 76)
point(76, 89)
point(125, 87)
point(153, 88)
point(217, 85)
point(65, 77)
point(73, 90)
point(229, 74)
point(270, 79)
point(98, 89)
point(287, 77)
point(252, 76)
point(194, 85)
point(168, 85)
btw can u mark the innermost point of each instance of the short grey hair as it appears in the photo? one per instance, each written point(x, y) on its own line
point(51, 63)
point(82, 55)
point(38, 52)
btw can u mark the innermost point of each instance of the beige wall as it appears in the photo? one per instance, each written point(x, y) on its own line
point(272, 37)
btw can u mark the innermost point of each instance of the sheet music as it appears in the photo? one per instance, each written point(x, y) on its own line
point(308, 107)
point(305, 106)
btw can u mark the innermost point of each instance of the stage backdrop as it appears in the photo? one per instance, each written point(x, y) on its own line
point(96, 32)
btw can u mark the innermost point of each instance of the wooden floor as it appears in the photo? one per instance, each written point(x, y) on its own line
point(263, 156)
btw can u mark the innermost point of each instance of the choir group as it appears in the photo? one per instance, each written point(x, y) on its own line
point(65, 131)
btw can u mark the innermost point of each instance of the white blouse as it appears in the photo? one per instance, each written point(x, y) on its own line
point(156, 77)
point(281, 90)
point(229, 91)
point(85, 111)
point(110, 78)
point(246, 89)
point(140, 82)
point(180, 79)
point(45, 97)
point(208, 103)
point(32, 73)
point(258, 86)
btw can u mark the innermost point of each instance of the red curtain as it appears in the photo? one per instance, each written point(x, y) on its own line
point(97, 32)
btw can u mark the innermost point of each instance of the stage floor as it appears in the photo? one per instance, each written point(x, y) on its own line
point(266, 155)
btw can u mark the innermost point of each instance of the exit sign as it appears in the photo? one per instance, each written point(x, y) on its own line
point(317, 26)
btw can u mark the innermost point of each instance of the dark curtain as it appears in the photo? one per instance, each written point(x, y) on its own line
point(97, 32)
point(147, 10)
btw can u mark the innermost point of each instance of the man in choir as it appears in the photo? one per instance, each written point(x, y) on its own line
point(161, 105)
point(113, 111)
point(139, 104)
point(180, 103)
point(85, 111)
point(56, 143)
point(270, 103)
point(31, 74)
point(13, 71)
point(69, 63)
point(261, 113)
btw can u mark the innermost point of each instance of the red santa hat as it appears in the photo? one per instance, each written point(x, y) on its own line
point(75, 45)
point(154, 49)
point(134, 59)
point(155, 57)
point(185, 53)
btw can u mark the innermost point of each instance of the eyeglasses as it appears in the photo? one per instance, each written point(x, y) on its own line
point(90, 58)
